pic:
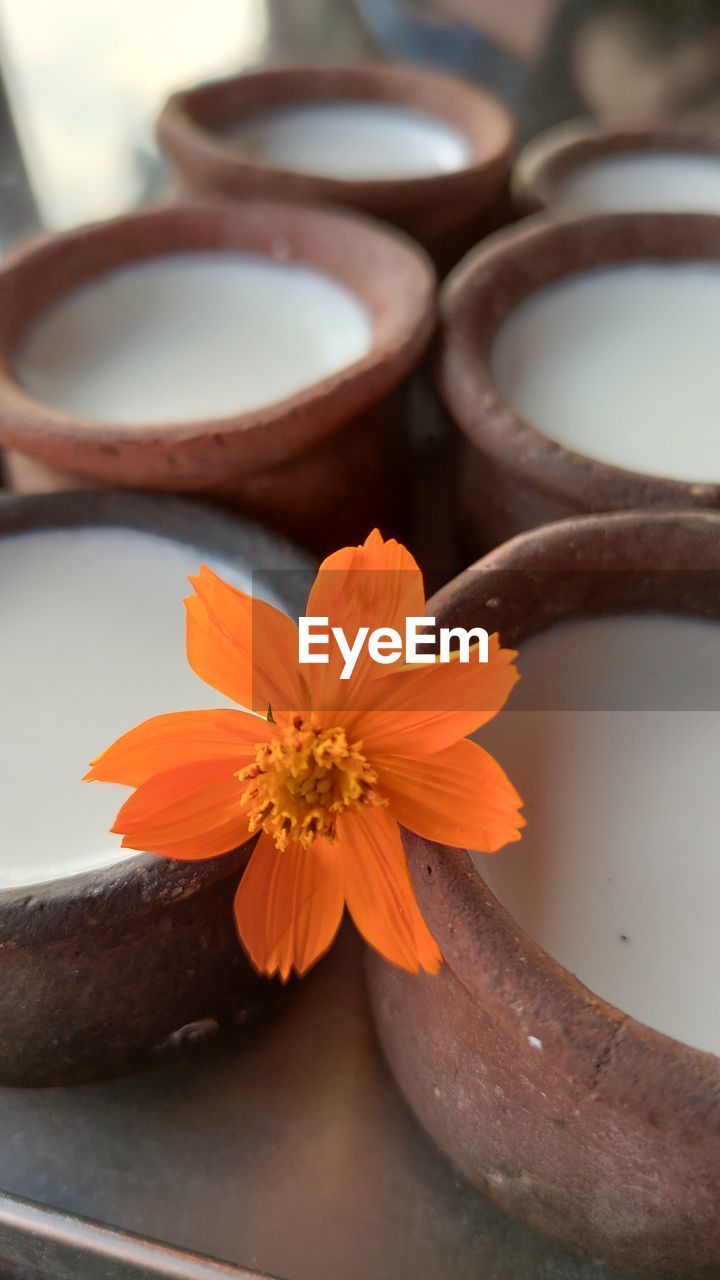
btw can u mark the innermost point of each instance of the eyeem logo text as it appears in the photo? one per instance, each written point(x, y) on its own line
point(421, 644)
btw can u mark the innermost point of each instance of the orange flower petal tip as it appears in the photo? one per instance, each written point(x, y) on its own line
point(325, 791)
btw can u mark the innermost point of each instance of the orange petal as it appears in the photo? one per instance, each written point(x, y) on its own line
point(375, 585)
point(289, 906)
point(421, 710)
point(182, 737)
point(386, 575)
point(459, 796)
point(194, 811)
point(243, 647)
point(379, 893)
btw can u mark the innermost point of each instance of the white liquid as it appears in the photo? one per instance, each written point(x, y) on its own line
point(621, 364)
point(618, 872)
point(92, 641)
point(644, 181)
point(362, 140)
point(188, 336)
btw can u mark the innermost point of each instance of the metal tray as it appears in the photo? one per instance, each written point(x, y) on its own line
point(285, 1149)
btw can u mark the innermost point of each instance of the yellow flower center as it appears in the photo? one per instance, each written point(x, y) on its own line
point(299, 784)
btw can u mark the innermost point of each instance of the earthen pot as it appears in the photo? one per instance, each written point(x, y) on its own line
point(511, 477)
point(101, 970)
point(321, 465)
point(565, 1110)
point(447, 213)
point(550, 159)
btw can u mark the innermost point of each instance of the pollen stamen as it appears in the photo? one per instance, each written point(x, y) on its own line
point(301, 782)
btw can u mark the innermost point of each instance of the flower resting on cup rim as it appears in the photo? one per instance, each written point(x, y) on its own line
point(324, 771)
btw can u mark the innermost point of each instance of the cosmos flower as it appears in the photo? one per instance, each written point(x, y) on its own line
point(325, 771)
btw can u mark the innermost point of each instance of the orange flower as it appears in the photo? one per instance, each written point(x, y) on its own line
point(324, 769)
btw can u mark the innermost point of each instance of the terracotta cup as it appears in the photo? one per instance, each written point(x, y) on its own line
point(609, 1137)
point(511, 476)
point(321, 466)
point(447, 213)
point(100, 970)
point(546, 163)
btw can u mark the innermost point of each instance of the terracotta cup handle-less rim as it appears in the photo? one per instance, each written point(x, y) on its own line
point(483, 291)
point(650, 1075)
point(388, 273)
point(191, 123)
point(543, 165)
point(566, 1110)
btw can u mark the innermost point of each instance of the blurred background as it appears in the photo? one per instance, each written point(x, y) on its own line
point(82, 80)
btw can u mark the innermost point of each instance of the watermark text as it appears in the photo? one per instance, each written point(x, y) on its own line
point(421, 644)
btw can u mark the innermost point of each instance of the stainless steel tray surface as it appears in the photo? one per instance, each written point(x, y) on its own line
point(36, 1242)
point(287, 1151)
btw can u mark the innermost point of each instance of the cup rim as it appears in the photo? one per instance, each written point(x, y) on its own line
point(491, 282)
point(482, 119)
point(389, 274)
point(581, 1029)
point(547, 159)
point(55, 909)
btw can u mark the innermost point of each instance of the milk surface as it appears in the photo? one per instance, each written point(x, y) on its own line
point(641, 181)
point(618, 872)
point(621, 364)
point(92, 641)
point(191, 336)
point(362, 140)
